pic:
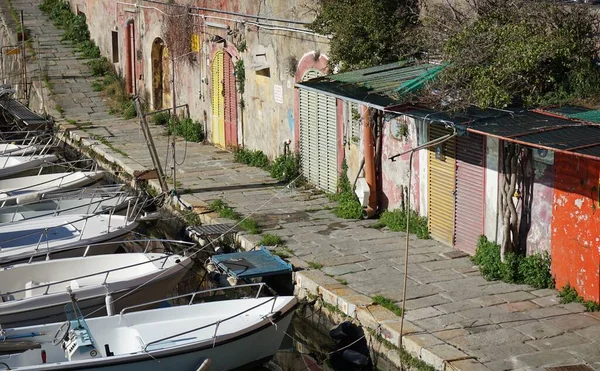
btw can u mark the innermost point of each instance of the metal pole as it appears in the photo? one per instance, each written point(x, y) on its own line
point(412, 152)
point(151, 147)
point(174, 118)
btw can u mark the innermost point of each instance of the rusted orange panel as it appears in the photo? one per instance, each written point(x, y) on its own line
point(576, 225)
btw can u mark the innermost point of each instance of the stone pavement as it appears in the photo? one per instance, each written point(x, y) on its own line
point(455, 318)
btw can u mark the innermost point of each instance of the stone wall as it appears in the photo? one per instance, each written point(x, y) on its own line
point(269, 116)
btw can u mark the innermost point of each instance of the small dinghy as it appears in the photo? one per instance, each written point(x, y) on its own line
point(60, 235)
point(35, 293)
point(32, 188)
point(11, 165)
point(230, 333)
point(102, 203)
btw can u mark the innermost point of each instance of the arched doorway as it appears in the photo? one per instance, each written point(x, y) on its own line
point(224, 101)
point(158, 47)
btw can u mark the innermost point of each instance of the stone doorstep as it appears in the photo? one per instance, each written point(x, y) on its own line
point(415, 340)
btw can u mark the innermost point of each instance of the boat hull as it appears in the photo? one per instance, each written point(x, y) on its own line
point(96, 306)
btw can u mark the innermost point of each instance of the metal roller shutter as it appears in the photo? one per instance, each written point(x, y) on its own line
point(469, 208)
point(318, 137)
point(441, 186)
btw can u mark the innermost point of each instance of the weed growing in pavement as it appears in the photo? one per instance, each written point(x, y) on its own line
point(253, 158)
point(348, 206)
point(315, 265)
point(388, 304)
point(285, 168)
point(248, 224)
point(568, 294)
point(161, 118)
point(270, 240)
point(395, 220)
point(187, 128)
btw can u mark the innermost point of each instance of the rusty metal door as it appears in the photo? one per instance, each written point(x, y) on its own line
point(230, 93)
point(470, 192)
point(442, 163)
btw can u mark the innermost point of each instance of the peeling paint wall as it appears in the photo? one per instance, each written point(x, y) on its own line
point(576, 225)
point(395, 174)
point(491, 222)
point(268, 118)
point(541, 208)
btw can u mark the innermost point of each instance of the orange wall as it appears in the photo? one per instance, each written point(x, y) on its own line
point(576, 225)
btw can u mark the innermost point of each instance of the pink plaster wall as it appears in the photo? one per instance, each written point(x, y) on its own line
point(395, 174)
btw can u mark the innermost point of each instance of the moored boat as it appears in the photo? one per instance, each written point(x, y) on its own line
point(11, 165)
point(60, 236)
point(231, 333)
point(34, 293)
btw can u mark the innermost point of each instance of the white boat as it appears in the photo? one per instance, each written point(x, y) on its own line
point(101, 203)
point(16, 149)
point(11, 165)
point(60, 235)
point(231, 333)
point(32, 188)
point(34, 293)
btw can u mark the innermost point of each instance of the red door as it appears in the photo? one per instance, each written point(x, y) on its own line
point(469, 208)
point(229, 90)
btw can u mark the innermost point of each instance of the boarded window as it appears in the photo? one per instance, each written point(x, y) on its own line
point(115, 46)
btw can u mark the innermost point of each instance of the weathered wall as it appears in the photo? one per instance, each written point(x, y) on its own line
point(399, 135)
point(491, 222)
point(541, 208)
point(268, 118)
point(576, 225)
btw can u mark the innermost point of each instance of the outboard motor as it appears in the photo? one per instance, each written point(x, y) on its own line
point(356, 356)
point(74, 336)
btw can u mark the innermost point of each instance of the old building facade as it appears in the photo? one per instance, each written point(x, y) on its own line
point(239, 73)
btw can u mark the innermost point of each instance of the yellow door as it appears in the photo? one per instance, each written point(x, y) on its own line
point(442, 165)
point(218, 101)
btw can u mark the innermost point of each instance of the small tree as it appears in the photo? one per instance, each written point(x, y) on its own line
point(368, 33)
point(516, 52)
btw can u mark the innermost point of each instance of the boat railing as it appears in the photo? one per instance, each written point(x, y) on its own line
point(147, 248)
point(60, 179)
point(85, 164)
point(102, 190)
point(106, 274)
point(272, 301)
point(71, 223)
point(41, 149)
point(192, 295)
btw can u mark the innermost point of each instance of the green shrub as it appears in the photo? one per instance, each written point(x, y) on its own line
point(250, 225)
point(253, 158)
point(99, 66)
point(533, 270)
point(286, 168)
point(568, 294)
point(161, 118)
point(395, 220)
point(187, 128)
point(348, 206)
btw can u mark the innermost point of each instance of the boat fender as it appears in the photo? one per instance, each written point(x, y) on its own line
point(275, 315)
point(205, 366)
point(177, 261)
point(215, 276)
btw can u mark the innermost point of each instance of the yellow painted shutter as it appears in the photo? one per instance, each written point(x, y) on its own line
point(218, 106)
point(441, 186)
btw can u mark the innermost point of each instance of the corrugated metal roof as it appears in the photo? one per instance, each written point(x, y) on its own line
point(380, 87)
point(529, 128)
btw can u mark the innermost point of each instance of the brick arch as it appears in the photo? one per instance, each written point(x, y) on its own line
point(306, 63)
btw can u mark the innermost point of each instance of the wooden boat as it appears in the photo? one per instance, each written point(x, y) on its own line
point(34, 293)
point(31, 188)
point(231, 333)
point(60, 235)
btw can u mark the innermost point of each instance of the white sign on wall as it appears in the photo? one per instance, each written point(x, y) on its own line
point(278, 94)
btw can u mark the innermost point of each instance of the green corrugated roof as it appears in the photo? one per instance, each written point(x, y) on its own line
point(381, 86)
point(578, 113)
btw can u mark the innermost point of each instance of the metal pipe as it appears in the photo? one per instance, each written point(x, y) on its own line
point(24, 52)
point(128, 56)
point(369, 154)
point(174, 118)
point(412, 152)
